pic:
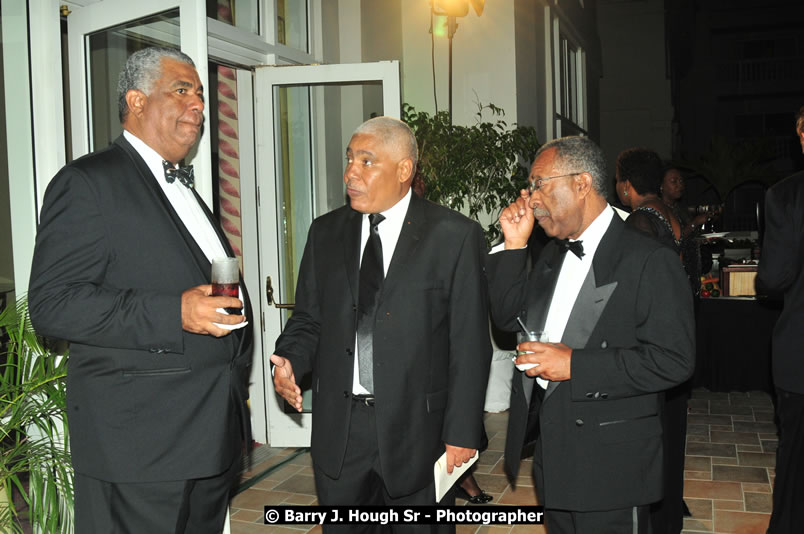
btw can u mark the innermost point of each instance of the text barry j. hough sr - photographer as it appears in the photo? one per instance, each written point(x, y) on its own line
point(403, 515)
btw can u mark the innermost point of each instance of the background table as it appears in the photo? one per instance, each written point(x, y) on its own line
point(734, 343)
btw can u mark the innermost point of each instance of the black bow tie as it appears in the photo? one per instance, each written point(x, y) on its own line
point(184, 174)
point(575, 246)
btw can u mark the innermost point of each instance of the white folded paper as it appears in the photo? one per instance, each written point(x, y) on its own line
point(232, 326)
point(229, 326)
point(444, 480)
point(524, 366)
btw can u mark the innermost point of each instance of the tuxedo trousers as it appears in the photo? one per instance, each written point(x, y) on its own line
point(361, 481)
point(634, 520)
point(176, 507)
point(788, 488)
point(667, 515)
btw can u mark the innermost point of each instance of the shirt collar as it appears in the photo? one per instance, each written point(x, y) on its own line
point(395, 215)
point(593, 234)
point(152, 158)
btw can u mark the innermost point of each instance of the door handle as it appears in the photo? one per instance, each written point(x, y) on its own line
point(269, 293)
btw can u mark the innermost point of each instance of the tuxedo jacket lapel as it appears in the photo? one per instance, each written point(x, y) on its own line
point(149, 182)
point(409, 239)
point(215, 225)
point(592, 299)
point(543, 285)
point(351, 250)
point(584, 316)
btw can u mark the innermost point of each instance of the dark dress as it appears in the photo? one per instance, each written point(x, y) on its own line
point(690, 248)
point(650, 221)
point(667, 515)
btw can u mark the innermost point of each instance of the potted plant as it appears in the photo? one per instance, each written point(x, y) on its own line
point(34, 459)
point(477, 169)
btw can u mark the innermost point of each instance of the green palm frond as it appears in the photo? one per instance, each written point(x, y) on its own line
point(34, 429)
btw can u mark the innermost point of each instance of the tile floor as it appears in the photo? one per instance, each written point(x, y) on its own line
point(729, 472)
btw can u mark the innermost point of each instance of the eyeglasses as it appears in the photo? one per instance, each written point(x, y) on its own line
point(538, 183)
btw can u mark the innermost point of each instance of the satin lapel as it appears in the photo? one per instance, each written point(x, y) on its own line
point(592, 299)
point(351, 250)
point(608, 251)
point(409, 239)
point(541, 286)
point(149, 181)
point(215, 225)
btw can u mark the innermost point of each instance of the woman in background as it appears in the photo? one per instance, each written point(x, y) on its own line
point(671, 191)
point(639, 176)
point(639, 180)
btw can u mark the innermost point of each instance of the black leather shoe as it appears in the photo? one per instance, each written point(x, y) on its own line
point(480, 498)
point(687, 512)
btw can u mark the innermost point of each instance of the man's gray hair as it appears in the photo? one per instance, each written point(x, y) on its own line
point(576, 154)
point(800, 121)
point(391, 131)
point(141, 72)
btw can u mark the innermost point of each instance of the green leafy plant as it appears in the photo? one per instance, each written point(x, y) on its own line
point(33, 429)
point(477, 169)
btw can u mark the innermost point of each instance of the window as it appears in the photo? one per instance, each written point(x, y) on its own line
point(570, 61)
point(243, 14)
point(291, 24)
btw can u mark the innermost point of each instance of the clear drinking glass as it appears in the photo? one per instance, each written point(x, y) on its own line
point(225, 279)
point(522, 337)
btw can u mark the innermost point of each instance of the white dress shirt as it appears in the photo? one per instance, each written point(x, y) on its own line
point(571, 278)
point(389, 230)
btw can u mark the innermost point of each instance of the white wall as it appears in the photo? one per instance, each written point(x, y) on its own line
point(484, 64)
point(635, 105)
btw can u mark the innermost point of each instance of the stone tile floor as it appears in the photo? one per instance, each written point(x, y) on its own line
point(731, 444)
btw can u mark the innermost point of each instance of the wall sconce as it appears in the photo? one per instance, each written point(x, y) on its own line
point(453, 9)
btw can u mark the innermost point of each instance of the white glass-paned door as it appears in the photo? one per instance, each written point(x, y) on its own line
point(305, 116)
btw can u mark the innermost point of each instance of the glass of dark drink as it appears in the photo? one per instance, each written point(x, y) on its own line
point(226, 280)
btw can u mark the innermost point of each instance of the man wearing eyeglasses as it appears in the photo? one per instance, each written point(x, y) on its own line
point(616, 315)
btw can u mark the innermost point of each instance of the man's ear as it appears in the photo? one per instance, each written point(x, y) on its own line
point(136, 99)
point(404, 170)
point(584, 184)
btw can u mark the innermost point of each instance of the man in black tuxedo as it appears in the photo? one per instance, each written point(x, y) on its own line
point(391, 320)
point(781, 270)
point(617, 312)
point(156, 382)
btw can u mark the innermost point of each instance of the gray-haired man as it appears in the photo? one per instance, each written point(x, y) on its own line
point(156, 389)
point(616, 312)
point(391, 320)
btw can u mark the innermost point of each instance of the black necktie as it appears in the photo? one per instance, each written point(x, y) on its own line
point(575, 246)
point(371, 278)
point(184, 174)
